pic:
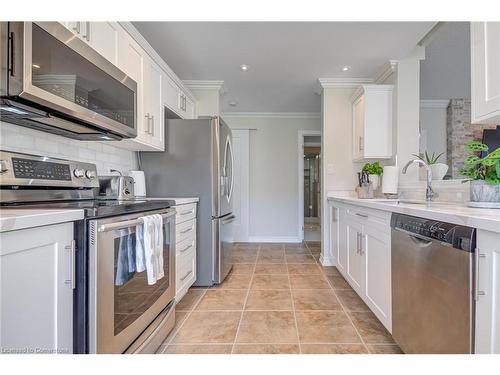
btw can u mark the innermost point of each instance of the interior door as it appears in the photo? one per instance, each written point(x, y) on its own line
point(240, 198)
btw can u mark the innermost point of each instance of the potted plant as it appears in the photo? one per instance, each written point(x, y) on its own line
point(438, 169)
point(483, 174)
point(374, 171)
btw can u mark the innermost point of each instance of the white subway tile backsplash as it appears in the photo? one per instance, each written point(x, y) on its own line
point(104, 156)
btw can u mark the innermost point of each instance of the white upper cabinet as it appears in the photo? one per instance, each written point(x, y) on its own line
point(372, 122)
point(485, 66)
point(177, 101)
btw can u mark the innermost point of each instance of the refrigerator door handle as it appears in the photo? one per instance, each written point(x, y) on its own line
point(229, 219)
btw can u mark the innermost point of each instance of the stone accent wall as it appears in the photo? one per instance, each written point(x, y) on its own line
point(460, 131)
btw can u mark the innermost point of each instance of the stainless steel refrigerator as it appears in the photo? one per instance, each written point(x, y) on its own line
point(198, 162)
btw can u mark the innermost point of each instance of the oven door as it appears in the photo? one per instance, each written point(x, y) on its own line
point(119, 314)
point(50, 66)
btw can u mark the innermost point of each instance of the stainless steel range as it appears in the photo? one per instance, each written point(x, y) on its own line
point(109, 317)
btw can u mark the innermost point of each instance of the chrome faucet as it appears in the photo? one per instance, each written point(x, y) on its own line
point(429, 193)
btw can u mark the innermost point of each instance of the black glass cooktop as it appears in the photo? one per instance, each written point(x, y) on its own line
point(94, 208)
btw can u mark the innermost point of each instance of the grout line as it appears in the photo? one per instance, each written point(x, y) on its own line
point(293, 307)
point(245, 303)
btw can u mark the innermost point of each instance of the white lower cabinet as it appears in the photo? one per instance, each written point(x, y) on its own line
point(487, 332)
point(185, 238)
point(36, 293)
point(361, 244)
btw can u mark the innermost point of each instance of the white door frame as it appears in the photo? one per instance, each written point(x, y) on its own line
point(300, 149)
point(242, 154)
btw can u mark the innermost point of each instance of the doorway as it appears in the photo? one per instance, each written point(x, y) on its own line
point(310, 186)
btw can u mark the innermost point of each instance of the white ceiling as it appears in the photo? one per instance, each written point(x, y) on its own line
point(285, 58)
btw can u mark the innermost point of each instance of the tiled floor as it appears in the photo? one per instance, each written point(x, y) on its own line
point(277, 299)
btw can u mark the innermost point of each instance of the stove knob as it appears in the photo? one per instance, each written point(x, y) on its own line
point(4, 167)
point(79, 173)
point(90, 174)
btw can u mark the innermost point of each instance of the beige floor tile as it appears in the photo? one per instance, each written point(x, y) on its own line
point(295, 245)
point(272, 246)
point(270, 282)
point(271, 258)
point(297, 250)
point(244, 251)
point(243, 268)
point(180, 316)
point(269, 300)
point(234, 281)
point(267, 327)
point(385, 349)
point(244, 258)
point(326, 327)
point(191, 298)
point(266, 349)
point(370, 328)
point(333, 349)
point(315, 250)
point(309, 282)
point(338, 282)
point(313, 243)
point(198, 349)
point(246, 245)
point(351, 301)
point(210, 327)
point(331, 270)
point(300, 258)
point(322, 299)
point(303, 269)
point(222, 299)
point(270, 268)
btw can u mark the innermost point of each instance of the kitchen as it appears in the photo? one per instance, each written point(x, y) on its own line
point(152, 198)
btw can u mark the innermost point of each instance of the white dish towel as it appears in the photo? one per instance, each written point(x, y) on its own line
point(153, 247)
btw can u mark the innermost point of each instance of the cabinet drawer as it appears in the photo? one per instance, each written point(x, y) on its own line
point(185, 268)
point(369, 216)
point(185, 212)
point(185, 246)
point(185, 230)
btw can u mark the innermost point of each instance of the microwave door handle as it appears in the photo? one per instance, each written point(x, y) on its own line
point(129, 223)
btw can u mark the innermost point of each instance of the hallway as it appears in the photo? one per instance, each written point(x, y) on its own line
point(277, 300)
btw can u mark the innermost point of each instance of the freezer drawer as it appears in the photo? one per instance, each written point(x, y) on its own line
point(223, 247)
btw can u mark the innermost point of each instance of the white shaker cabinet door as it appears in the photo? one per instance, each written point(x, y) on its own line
point(36, 294)
point(485, 66)
point(103, 37)
point(355, 260)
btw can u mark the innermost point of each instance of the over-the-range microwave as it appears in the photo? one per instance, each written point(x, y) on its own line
point(53, 81)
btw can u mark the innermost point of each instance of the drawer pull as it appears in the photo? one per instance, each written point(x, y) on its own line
point(361, 215)
point(187, 212)
point(186, 230)
point(187, 248)
point(186, 275)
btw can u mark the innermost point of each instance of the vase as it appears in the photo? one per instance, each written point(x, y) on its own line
point(375, 180)
point(480, 191)
point(438, 170)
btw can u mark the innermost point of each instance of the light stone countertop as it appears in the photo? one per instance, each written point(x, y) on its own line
point(19, 218)
point(455, 213)
point(178, 201)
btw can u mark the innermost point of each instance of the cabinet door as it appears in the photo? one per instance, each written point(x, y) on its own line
point(171, 95)
point(155, 106)
point(355, 259)
point(487, 335)
point(103, 37)
point(485, 66)
point(358, 127)
point(190, 110)
point(342, 245)
point(334, 232)
point(36, 294)
point(376, 249)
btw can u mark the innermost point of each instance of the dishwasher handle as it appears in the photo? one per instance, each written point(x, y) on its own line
point(417, 239)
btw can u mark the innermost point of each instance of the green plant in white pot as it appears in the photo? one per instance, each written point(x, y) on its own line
point(438, 170)
point(483, 174)
point(374, 171)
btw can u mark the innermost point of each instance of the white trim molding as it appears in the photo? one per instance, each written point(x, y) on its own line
point(434, 103)
point(272, 114)
point(328, 83)
point(195, 84)
point(326, 261)
point(387, 69)
point(276, 239)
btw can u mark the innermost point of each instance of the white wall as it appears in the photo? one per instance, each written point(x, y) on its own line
point(273, 183)
point(433, 131)
point(20, 139)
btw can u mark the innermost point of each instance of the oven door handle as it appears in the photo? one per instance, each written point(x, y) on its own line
point(129, 223)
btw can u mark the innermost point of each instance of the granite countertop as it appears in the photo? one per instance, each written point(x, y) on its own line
point(456, 213)
point(14, 219)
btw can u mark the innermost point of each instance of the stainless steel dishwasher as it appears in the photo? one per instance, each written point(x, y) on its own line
point(432, 282)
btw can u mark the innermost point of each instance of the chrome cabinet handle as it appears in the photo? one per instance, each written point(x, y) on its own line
point(361, 238)
point(186, 275)
point(152, 125)
point(361, 215)
point(478, 292)
point(357, 242)
point(187, 230)
point(187, 248)
point(72, 249)
point(88, 31)
point(361, 144)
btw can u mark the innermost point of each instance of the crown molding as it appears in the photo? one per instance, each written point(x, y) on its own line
point(194, 84)
point(387, 69)
point(271, 114)
point(435, 103)
point(328, 83)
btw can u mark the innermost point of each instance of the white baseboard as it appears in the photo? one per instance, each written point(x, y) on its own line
point(277, 239)
point(326, 261)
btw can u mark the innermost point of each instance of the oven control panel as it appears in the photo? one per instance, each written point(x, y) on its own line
point(18, 169)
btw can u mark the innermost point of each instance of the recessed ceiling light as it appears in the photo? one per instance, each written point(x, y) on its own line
point(244, 67)
point(233, 103)
point(345, 68)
